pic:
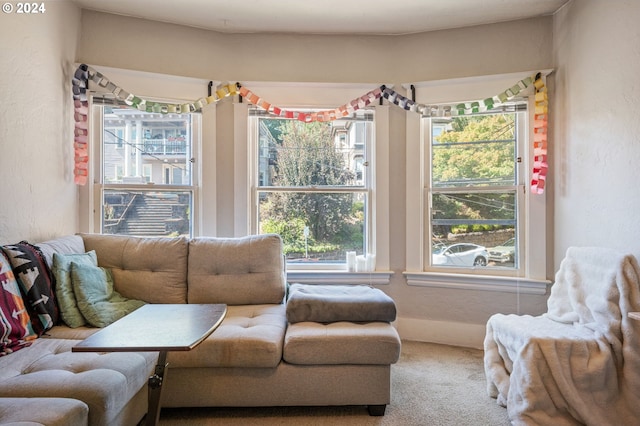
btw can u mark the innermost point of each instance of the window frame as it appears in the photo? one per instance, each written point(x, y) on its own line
point(518, 188)
point(365, 188)
point(531, 277)
point(99, 187)
point(318, 96)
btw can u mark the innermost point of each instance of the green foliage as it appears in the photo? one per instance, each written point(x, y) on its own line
point(291, 230)
point(307, 157)
point(480, 148)
point(478, 151)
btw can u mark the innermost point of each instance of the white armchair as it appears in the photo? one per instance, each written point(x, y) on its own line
point(579, 363)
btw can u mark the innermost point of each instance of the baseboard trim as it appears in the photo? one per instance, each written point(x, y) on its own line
point(443, 332)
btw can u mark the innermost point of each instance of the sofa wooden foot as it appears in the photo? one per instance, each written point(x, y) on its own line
point(376, 410)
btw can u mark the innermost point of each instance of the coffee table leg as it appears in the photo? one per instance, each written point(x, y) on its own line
point(155, 390)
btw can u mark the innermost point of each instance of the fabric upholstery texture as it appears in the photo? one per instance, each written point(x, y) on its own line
point(68, 244)
point(287, 385)
point(15, 323)
point(242, 363)
point(149, 269)
point(579, 363)
point(106, 382)
point(44, 411)
point(329, 303)
point(249, 336)
point(98, 302)
point(237, 271)
point(36, 284)
point(312, 343)
point(61, 269)
point(63, 331)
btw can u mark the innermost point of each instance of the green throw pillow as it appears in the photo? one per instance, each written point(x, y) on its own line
point(61, 268)
point(99, 303)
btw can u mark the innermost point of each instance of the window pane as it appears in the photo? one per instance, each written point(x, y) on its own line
point(474, 229)
point(474, 151)
point(146, 213)
point(315, 226)
point(293, 153)
point(141, 147)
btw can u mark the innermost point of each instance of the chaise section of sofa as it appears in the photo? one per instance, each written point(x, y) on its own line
point(83, 388)
point(112, 385)
point(43, 411)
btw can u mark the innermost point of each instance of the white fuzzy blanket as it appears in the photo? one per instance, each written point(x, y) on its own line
point(580, 362)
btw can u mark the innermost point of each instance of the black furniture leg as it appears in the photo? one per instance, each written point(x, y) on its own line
point(155, 390)
point(376, 410)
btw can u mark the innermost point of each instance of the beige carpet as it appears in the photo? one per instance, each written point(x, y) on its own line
point(431, 385)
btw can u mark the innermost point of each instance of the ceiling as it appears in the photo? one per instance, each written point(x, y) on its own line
point(383, 17)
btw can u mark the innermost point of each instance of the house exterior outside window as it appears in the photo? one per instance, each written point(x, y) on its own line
point(146, 181)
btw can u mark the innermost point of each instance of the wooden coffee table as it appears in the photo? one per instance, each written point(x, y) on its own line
point(161, 328)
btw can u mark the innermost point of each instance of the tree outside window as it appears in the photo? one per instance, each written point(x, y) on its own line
point(309, 190)
point(473, 187)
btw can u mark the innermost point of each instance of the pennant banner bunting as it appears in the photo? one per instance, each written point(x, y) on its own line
point(80, 132)
point(85, 74)
point(309, 117)
point(541, 119)
point(80, 83)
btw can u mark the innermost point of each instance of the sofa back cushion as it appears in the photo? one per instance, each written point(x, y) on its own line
point(236, 271)
point(68, 244)
point(150, 269)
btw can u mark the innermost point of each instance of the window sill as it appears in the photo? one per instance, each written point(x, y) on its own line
point(478, 282)
point(339, 277)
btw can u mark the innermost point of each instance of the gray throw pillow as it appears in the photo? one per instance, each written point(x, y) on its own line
point(99, 303)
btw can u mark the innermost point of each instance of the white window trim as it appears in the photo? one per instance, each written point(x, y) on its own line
point(520, 188)
point(339, 277)
point(98, 186)
point(533, 274)
point(477, 282)
point(297, 95)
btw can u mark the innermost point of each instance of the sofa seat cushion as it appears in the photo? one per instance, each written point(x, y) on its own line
point(106, 382)
point(249, 336)
point(150, 269)
point(312, 343)
point(44, 411)
point(65, 332)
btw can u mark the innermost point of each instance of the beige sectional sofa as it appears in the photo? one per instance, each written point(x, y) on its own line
point(255, 358)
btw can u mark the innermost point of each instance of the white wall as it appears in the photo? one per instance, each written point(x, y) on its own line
point(596, 110)
point(139, 44)
point(38, 197)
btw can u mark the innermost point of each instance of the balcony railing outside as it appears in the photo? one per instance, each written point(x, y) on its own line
point(171, 146)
